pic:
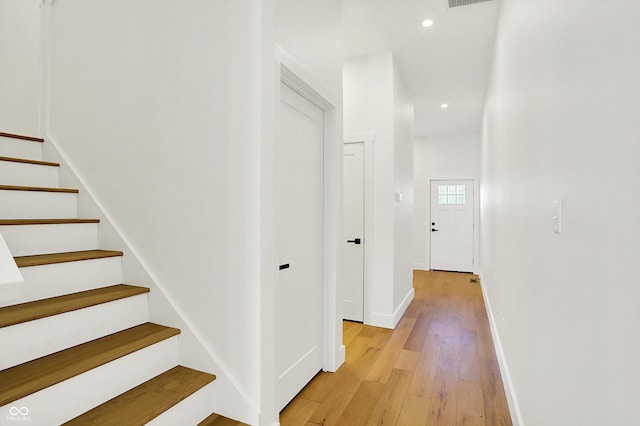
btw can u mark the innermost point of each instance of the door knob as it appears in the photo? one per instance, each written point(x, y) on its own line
point(354, 241)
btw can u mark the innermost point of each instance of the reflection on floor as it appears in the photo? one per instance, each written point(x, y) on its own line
point(438, 367)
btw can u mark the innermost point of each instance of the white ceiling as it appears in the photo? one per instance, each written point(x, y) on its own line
point(446, 63)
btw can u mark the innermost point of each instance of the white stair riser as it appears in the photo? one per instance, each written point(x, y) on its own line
point(189, 411)
point(25, 174)
point(26, 240)
point(37, 205)
point(64, 401)
point(16, 148)
point(34, 339)
point(41, 282)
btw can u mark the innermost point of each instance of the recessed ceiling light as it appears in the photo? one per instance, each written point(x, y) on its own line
point(427, 23)
point(444, 106)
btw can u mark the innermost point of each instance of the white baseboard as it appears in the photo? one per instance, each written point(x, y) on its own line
point(512, 401)
point(388, 320)
point(403, 307)
point(420, 267)
point(341, 356)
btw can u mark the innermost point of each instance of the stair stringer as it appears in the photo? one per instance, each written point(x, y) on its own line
point(227, 398)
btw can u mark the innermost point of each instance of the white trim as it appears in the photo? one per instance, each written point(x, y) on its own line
point(476, 226)
point(294, 75)
point(512, 400)
point(368, 139)
point(403, 307)
point(390, 321)
point(342, 356)
point(420, 266)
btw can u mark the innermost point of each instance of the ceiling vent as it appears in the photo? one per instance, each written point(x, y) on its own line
point(457, 3)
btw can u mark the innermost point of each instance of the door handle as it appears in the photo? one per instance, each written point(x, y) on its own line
point(354, 241)
point(434, 230)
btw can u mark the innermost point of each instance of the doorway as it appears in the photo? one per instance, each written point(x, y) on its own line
point(452, 225)
point(357, 215)
point(353, 231)
point(300, 242)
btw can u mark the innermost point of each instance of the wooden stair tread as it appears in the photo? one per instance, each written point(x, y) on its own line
point(38, 189)
point(26, 161)
point(33, 376)
point(45, 221)
point(73, 256)
point(218, 420)
point(29, 311)
point(145, 402)
point(22, 137)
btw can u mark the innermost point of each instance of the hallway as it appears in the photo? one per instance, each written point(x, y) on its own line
point(438, 367)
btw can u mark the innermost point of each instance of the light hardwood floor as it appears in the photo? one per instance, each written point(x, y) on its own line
point(438, 367)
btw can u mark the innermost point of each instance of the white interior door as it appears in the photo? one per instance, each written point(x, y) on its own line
point(300, 243)
point(353, 232)
point(452, 225)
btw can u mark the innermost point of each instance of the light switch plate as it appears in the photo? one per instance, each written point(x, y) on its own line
point(557, 216)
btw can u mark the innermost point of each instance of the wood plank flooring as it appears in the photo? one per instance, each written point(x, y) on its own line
point(438, 367)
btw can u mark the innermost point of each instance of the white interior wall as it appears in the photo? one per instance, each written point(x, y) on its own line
point(448, 156)
point(368, 108)
point(20, 67)
point(561, 122)
point(372, 106)
point(156, 104)
point(403, 186)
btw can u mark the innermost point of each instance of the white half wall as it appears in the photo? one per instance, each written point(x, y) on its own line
point(444, 157)
point(20, 67)
point(561, 123)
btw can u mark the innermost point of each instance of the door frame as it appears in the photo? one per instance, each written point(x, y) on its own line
point(368, 140)
point(294, 76)
point(476, 219)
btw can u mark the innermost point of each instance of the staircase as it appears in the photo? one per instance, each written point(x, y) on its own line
point(76, 346)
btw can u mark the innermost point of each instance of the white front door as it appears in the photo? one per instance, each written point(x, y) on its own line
point(299, 230)
point(452, 225)
point(353, 232)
